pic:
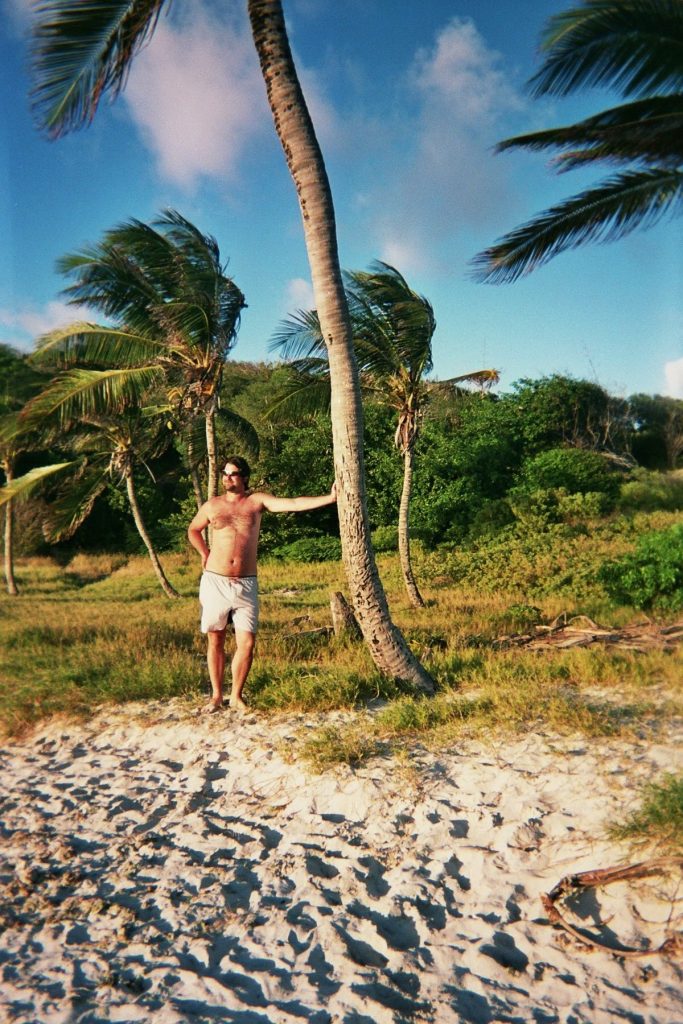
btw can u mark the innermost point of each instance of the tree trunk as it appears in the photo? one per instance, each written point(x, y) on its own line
point(293, 124)
point(142, 530)
point(12, 588)
point(404, 531)
point(194, 476)
point(343, 619)
point(211, 454)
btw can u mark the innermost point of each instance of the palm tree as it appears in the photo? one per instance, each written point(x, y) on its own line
point(109, 431)
point(635, 46)
point(393, 328)
point(82, 51)
point(17, 383)
point(173, 307)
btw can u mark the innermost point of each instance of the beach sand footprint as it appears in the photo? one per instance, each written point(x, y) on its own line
point(173, 875)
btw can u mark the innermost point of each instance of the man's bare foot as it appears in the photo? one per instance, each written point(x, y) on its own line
point(212, 707)
point(237, 704)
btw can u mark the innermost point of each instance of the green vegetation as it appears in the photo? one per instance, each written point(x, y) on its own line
point(651, 576)
point(95, 629)
point(659, 819)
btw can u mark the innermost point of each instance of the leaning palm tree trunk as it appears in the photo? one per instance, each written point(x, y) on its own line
point(404, 531)
point(293, 124)
point(142, 530)
point(12, 588)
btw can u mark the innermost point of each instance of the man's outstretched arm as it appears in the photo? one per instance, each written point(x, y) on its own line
point(300, 504)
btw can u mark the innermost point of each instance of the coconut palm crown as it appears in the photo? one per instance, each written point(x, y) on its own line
point(171, 307)
point(636, 47)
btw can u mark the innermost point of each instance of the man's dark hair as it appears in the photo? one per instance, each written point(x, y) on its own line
point(242, 465)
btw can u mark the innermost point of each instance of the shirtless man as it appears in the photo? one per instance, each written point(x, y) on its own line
point(228, 590)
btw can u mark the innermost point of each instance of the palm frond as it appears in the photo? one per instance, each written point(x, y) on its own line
point(162, 280)
point(12, 430)
point(192, 437)
point(607, 212)
point(81, 393)
point(82, 49)
point(240, 429)
point(634, 46)
point(299, 336)
point(484, 379)
point(95, 344)
point(393, 325)
point(25, 486)
point(649, 131)
point(74, 503)
point(304, 391)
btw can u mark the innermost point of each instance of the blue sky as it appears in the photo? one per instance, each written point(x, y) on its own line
point(408, 101)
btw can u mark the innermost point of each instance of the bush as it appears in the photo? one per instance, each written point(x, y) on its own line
point(651, 577)
point(574, 508)
point(575, 470)
point(650, 491)
point(385, 538)
point(309, 549)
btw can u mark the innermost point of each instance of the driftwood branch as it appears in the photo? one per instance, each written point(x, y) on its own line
point(580, 631)
point(570, 884)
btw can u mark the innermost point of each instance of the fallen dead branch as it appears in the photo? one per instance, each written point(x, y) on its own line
point(580, 631)
point(571, 884)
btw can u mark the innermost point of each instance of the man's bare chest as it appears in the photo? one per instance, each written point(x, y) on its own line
point(242, 519)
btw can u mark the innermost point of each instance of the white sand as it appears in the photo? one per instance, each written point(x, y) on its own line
point(159, 867)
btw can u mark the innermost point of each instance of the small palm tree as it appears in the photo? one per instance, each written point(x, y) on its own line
point(108, 433)
point(635, 46)
point(172, 307)
point(18, 382)
point(393, 328)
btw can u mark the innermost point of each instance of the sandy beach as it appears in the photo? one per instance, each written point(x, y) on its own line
point(162, 867)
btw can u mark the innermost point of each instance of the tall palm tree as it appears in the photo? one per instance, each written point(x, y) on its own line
point(635, 46)
point(392, 328)
point(171, 305)
point(82, 51)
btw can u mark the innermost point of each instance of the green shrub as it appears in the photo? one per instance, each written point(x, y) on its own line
point(536, 510)
point(309, 549)
point(578, 507)
point(648, 491)
point(652, 576)
point(385, 538)
point(575, 470)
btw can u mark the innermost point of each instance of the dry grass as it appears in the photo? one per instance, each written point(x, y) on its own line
point(99, 629)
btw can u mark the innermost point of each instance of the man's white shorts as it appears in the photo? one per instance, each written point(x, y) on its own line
point(228, 599)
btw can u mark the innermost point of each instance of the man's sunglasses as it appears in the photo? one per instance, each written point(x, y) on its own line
point(236, 473)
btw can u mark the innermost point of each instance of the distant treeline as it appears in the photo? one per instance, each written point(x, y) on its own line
point(548, 449)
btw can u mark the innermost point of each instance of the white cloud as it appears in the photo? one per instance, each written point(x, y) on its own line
point(409, 255)
point(461, 77)
point(673, 374)
point(450, 181)
point(298, 295)
point(21, 327)
point(196, 94)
